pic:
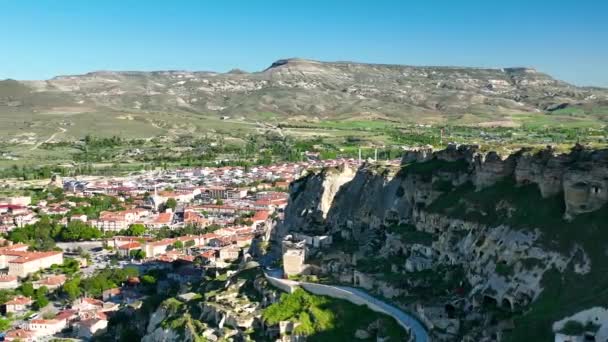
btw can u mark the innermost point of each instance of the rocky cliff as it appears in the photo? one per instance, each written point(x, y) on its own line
point(510, 222)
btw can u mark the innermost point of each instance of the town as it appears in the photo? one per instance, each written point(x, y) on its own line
point(76, 251)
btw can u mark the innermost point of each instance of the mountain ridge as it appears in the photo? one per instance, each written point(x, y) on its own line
point(294, 87)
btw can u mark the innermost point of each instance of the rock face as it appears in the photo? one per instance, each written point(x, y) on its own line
point(375, 195)
point(503, 264)
point(305, 87)
point(378, 195)
point(312, 196)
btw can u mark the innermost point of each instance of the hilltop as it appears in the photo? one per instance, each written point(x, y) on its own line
point(331, 105)
point(311, 89)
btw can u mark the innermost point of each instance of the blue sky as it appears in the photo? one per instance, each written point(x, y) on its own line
point(43, 38)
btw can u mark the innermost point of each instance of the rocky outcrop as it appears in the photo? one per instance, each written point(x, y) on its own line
point(503, 256)
point(311, 198)
point(376, 194)
point(502, 263)
point(491, 167)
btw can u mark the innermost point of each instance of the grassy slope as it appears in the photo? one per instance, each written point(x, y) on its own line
point(327, 319)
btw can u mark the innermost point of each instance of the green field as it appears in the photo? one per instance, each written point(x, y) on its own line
point(157, 139)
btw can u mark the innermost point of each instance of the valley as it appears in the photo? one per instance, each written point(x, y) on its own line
point(310, 201)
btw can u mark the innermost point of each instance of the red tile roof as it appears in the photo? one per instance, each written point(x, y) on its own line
point(53, 280)
point(19, 334)
point(7, 278)
point(19, 300)
point(130, 245)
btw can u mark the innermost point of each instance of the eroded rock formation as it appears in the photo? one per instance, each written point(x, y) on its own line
point(504, 257)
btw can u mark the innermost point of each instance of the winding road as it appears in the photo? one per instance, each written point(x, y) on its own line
point(417, 329)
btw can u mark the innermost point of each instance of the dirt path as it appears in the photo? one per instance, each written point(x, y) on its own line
point(61, 130)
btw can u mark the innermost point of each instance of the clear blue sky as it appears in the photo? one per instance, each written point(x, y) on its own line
point(43, 38)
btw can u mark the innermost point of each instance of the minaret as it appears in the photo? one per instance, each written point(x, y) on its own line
point(359, 154)
point(376, 154)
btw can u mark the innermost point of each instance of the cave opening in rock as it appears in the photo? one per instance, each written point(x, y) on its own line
point(489, 301)
point(589, 337)
point(506, 304)
point(450, 310)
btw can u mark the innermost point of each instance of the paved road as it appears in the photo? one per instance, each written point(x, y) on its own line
point(417, 329)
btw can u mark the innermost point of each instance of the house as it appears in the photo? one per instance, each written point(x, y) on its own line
point(16, 305)
point(24, 219)
point(17, 200)
point(208, 255)
point(87, 304)
point(243, 240)
point(68, 316)
point(154, 248)
point(21, 263)
point(195, 219)
point(45, 327)
point(117, 220)
point(260, 217)
point(110, 294)
point(12, 209)
point(220, 192)
point(281, 185)
point(58, 211)
point(81, 218)
point(293, 261)
point(125, 249)
point(8, 282)
point(161, 220)
point(51, 282)
point(220, 241)
point(86, 329)
point(229, 253)
point(118, 241)
point(20, 335)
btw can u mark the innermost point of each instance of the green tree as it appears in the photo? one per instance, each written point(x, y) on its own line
point(137, 254)
point(178, 244)
point(148, 280)
point(41, 299)
point(72, 288)
point(136, 229)
point(78, 230)
point(58, 193)
point(5, 324)
point(171, 203)
point(189, 243)
point(6, 295)
point(27, 289)
point(37, 235)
